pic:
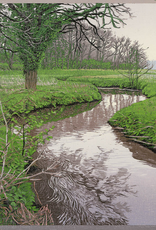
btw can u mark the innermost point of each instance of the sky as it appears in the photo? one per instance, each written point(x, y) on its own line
point(141, 28)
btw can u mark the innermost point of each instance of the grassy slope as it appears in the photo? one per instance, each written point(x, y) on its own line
point(15, 99)
point(138, 120)
point(82, 91)
point(60, 93)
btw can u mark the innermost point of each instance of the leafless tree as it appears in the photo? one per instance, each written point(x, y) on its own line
point(135, 62)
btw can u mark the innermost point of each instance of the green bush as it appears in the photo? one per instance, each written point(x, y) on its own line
point(102, 82)
point(93, 64)
point(5, 66)
point(148, 88)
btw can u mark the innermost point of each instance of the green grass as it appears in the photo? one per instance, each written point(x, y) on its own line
point(138, 120)
point(60, 93)
point(55, 90)
point(15, 78)
point(78, 72)
point(18, 101)
point(64, 74)
point(102, 81)
point(77, 87)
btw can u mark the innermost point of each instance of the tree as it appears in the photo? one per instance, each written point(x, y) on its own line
point(63, 49)
point(136, 64)
point(9, 55)
point(33, 26)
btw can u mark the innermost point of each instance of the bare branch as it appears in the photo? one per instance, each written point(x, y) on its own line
point(6, 140)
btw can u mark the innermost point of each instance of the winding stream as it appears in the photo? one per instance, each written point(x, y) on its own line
point(102, 177)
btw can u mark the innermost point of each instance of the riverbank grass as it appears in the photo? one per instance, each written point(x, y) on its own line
point(138, 122)
point(57, 93)
point(14, 78)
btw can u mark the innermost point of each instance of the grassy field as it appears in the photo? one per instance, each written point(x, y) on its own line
point(15, 78)
point(138, 122)
point(57, 90)
point(64, 87)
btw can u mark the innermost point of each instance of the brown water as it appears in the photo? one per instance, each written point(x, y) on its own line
point(102, 177)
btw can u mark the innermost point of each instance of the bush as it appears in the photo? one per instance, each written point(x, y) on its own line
point(102, 82)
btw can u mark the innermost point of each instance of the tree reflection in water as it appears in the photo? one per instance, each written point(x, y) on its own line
point(83, 192)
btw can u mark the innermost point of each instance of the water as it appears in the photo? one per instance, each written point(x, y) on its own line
point(101, 177)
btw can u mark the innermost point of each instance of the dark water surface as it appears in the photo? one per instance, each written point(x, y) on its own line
point(101, 176)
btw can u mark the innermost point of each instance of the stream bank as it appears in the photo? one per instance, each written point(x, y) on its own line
point(101, 177)
point(102, 197)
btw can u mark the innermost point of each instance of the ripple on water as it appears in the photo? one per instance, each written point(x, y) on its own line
point(103, 177)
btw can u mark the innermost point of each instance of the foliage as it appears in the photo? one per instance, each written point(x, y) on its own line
point(102, 82)
point(16, 123)
point(84, 64)
point(62, 93)
point(135, 66)
point(138, 121)
point(18, 105)
point(22, 216)
point(148, 88)
point(30, 27)
point(16, 150)
point(92, 64)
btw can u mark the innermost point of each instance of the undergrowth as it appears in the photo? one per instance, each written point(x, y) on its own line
point(22, 112)
point(138, 121)
point(62, 93)
point(102, 82)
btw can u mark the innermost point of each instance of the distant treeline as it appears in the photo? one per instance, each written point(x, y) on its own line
point(67, 52)
point(85, 64)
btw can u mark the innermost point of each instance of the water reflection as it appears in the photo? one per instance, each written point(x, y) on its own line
point(140, 153)
point(94, 118)
point(84, 194)
point(96, 172)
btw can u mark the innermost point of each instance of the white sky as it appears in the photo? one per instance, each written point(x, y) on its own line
point(141, 28)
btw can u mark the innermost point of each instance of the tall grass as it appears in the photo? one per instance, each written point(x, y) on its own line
point(14, 77)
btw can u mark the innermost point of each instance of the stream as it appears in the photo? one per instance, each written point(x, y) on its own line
point(101, 177)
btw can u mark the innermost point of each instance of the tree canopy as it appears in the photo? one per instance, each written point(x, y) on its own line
point(31, 26)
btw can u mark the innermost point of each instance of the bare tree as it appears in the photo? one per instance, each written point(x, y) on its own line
point(136, 64)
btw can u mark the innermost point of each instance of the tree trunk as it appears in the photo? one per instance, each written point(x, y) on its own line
point(9, 59)
point(31, 79)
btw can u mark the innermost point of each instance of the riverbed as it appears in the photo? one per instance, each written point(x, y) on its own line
point(101, 177)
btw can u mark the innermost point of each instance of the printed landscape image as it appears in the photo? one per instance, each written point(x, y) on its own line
point(77, 114)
